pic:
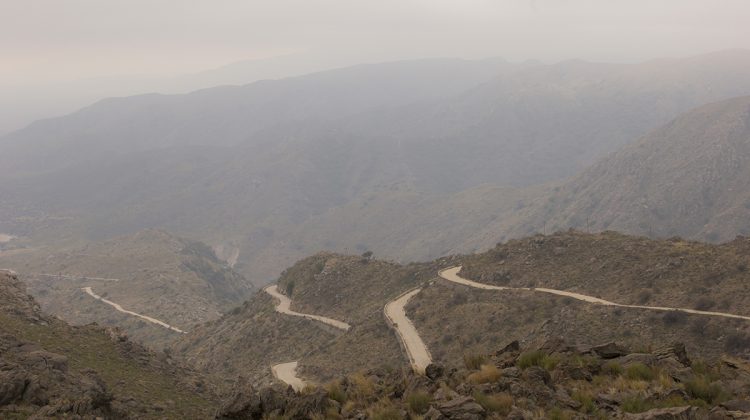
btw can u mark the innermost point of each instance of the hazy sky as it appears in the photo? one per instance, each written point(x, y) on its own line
point(57, 40)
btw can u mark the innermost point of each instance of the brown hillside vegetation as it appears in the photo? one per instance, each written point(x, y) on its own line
point(551, 381)
point(457, 321)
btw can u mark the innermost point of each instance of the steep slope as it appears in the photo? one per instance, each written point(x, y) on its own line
point(270, 165)
point(54, 370)
point(687, 178)
point(455, 321)
point(153, 273)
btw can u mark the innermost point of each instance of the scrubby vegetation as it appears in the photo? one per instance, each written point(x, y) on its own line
point(556, 381)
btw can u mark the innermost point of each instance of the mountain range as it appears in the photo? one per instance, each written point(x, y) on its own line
point(364, 158)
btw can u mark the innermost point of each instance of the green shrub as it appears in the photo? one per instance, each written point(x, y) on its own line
point(419, 402)
point(639, 371)
point(702, 388)
point(498, 403)
point(474, 361)
point(537, 358)
point(336, 393)
point(612, 369)
point(635, 404)
point(586, 401)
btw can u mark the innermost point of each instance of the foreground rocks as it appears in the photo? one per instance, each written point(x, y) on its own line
point(553, 380)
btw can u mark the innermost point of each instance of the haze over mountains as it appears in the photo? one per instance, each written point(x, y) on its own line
point(266, 169)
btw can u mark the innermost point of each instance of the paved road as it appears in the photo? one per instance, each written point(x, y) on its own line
point(451, 274)
point(121, 309)
point(419, 356)
point(287, 373)
point(284, 307)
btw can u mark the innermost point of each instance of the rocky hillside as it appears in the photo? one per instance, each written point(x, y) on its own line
point(51, 369)
point(346, 288)
point(153, 273)
point(551, 381)
point(265, 168)
point(456, 321)
point(687, 178)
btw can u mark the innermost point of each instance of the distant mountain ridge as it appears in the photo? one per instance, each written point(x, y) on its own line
point(266, 167)
point(688, 178)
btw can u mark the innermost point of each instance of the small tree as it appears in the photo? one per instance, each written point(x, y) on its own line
point(367, 255)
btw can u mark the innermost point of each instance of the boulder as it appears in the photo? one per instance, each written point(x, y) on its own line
point(737, 405)
point(434, 371)
point(537, 374)
point(609, 350)
point(463, 408)
point(672, 413)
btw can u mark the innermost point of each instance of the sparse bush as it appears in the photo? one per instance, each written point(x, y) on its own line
point(586, 401)
point(639, 371)
point(557, 413)
point(486, 374)
point(612, 368)
point(702, 388)
point(290, 288)
point(386, 413)
point(704, 303)
point(737, 342)
point(742, 267)
point(419, 402)
point(644, 296)
point(674, 317)
point(698, 326)
point(474, 361)
point(537, 358)
point(498, 403)
point(363, 386)
point(635, 404)
point(336, 393)
point(458, 298)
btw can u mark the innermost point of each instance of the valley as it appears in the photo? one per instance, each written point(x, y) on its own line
point(428, 239)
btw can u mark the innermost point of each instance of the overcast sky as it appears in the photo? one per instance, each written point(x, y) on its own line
point(56, 40)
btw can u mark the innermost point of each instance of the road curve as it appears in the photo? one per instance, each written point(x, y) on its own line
point(121, 309)
point(287, 373)
point(419, 355)
point(285, 304)
point(451, 274)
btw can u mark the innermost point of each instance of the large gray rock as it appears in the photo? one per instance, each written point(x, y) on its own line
point(463, 408)
point(609, 350)
point(673, 413)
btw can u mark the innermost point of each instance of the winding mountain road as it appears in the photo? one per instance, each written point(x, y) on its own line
point(285, 304)
point(419, 355)
point(91, 293)
point(451, 274)
point(287, 373)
